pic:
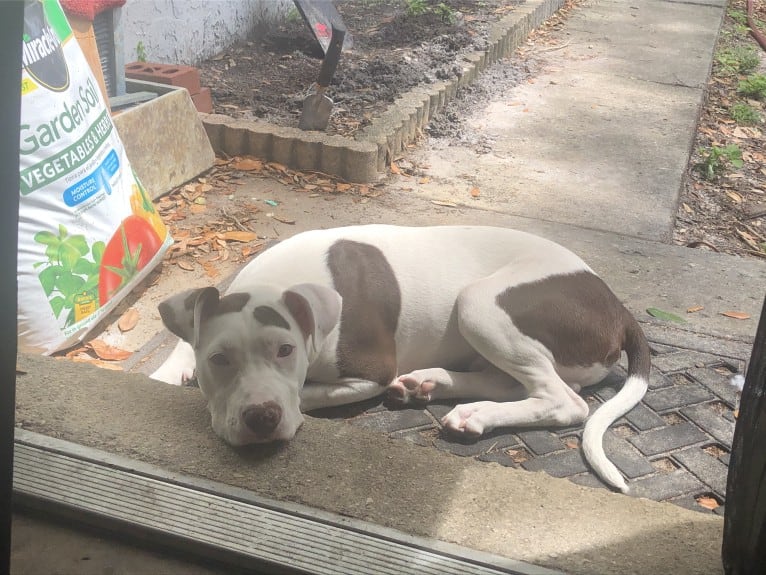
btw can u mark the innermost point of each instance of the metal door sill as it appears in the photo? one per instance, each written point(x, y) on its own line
point(224, 523)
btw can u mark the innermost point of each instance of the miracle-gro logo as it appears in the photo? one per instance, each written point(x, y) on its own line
point(35, 49)
point(42, 56)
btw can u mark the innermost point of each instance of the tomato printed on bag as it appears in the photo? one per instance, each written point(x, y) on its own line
point(130, 249)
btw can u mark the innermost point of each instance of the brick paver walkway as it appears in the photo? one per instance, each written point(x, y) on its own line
point(674, 446)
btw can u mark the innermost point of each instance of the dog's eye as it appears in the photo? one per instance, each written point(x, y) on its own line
point(285, 349)
point(219, 359)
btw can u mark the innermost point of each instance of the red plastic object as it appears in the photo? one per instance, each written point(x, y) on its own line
point(88, 8)
point(171, 74)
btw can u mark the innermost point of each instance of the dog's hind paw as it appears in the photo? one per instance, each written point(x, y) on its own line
point(415, 386)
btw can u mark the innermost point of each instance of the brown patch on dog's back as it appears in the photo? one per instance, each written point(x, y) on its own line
point(371, 306)
point(576, 316)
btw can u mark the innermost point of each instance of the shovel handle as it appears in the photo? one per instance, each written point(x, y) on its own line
point(332, 57)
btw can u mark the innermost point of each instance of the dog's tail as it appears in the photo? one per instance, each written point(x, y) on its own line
point(639, 364)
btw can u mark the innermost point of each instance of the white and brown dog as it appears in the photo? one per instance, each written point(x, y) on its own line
point(336, 316)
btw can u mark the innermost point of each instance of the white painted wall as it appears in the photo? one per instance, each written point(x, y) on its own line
point(188, 31)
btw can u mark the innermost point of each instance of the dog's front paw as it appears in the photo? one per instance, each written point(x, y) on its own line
point(189, 378)
point(466, 419)
point(172, 376)
point(414, 386)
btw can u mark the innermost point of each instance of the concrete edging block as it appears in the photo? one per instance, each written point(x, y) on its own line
point(260, 139)
point(308, 152)
point(361, 164)
point(363, 158)
point(168, 157)
point(283, 147)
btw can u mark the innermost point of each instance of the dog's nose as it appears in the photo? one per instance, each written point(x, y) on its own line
point(262, 419)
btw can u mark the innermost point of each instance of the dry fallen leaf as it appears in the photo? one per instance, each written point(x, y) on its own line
point(736, 314)
point(475, 193)
point(247, 165)
point(695, 308)
point(747, 238)
point(744, 132)
point(735, 197)
point(184, 265)
point(97, 363)
point(395, 169)
point(278, 167)
point(128, 320)
point(424, 180)
point(236, 236)
point(571, 443)
point(247, 251)
point(105, 351)
point(708, 502)
point(517, 455)
point(77, 351)
point(284, 220)
point(210, 269)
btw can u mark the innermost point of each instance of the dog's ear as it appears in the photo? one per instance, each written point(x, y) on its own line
point(316, 308)
point(183, 313)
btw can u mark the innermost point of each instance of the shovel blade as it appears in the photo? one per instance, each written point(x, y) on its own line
point(316, 112)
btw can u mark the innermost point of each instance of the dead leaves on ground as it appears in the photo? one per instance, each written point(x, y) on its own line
point(729, 211)
point(312, 182)
point(208, 246)
point(543, 35)
point(736, 314)
point(244, 164)
point(199, 246)
point(99, 353)
point(183, 201)
point(518, 456)
point(107, 352)
point(128, 320)
point(572, 443)
point(708, 502)
point(237, 236)
point(667, 316)
point(228, 233)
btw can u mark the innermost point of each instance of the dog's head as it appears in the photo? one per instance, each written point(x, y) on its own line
point(253, 350)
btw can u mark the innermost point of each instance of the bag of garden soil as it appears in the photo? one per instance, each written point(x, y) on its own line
point(88, 232)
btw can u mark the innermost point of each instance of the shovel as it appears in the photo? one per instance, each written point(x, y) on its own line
point(317, 107)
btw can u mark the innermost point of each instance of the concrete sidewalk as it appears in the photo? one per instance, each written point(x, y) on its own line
point(601, 137)
point(595, 162)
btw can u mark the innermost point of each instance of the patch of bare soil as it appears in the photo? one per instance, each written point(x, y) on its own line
point(723, 204)
point(397, 45)
point(449, 127)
